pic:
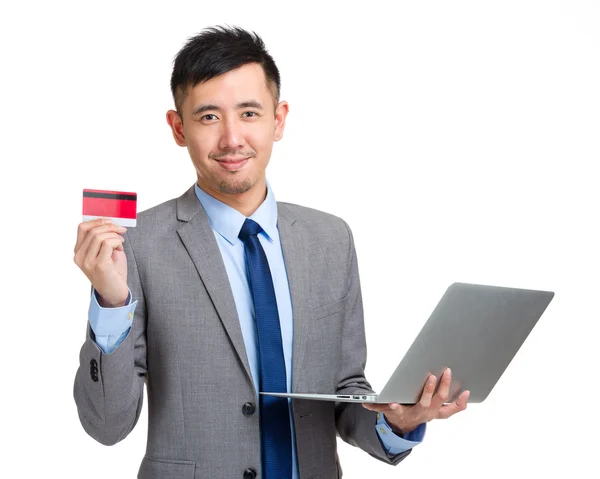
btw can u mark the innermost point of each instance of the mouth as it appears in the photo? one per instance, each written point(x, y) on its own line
point(232, 164)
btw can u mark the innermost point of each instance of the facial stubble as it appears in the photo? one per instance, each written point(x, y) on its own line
point(235, 187)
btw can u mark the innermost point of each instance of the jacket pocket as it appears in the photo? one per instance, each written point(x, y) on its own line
point(329, 309)
point(154, 468)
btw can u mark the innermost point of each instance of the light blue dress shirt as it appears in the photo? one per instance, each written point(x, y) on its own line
point(111, 325)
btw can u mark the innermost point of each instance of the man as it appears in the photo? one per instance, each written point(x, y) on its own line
point(233, 293)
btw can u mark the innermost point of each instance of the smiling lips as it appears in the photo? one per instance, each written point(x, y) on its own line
point(232, 164)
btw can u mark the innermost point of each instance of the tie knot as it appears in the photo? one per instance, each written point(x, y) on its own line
point(249, 228)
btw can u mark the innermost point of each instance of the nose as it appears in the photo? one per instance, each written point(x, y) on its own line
point(232, 137)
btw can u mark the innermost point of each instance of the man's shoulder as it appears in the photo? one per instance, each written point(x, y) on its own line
point(166, 211)
point(306, 213)
point(313, 219)
point(156, 221)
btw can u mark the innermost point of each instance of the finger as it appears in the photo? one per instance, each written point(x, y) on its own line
point(91, 254)
point(85, 232)
point(88, 228)
point(85, 227)
point(82, 251)
point(428, 390)
point(451, 409)
point(463, 400)
point(443, 392)
point(107, 248)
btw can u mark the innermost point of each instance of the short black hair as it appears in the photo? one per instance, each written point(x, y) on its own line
point(218, 50)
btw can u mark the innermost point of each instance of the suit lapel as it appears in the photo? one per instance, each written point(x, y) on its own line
point(198, 238)
point(295, 257)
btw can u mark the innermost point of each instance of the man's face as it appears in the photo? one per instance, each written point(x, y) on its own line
point(229, 125)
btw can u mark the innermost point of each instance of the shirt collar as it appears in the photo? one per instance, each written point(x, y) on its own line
point(228, 222)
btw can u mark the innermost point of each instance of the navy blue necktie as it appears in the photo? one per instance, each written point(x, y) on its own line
point(275, 432)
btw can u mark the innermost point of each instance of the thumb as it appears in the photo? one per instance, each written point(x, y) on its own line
point(375, 407)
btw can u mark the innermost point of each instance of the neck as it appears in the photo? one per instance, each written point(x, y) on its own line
point(246, 203)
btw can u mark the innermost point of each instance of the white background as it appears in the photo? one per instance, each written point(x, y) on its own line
point(458, 139)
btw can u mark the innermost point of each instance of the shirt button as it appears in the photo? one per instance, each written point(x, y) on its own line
point(129, 316)
point(382, 430)
point(248, 409)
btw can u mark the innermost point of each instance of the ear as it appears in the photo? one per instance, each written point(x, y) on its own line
point(280, 115)
point(176, 124)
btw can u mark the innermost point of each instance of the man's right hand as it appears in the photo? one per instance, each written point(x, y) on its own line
point(99, 254)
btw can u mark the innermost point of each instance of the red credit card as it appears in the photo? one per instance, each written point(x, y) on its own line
point(119, 206)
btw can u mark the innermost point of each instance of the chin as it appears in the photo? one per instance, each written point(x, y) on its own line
point(235, 187)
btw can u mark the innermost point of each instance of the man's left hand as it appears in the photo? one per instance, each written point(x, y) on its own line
point(405, 419)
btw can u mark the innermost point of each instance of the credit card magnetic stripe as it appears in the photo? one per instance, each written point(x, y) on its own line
point(109, 195)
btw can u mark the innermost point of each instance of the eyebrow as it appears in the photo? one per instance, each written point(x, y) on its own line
point(245, 104)
point(250, 104)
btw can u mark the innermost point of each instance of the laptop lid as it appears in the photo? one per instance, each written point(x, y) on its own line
point(476, 330)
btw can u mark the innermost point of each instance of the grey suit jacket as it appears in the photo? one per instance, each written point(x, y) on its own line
point(186, 345)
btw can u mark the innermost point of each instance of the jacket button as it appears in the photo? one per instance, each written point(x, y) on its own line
point(249, 474)
point(248, 409)
point(94, 370)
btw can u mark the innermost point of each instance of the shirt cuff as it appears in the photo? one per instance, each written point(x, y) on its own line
point(110, 321)
point(394, 444)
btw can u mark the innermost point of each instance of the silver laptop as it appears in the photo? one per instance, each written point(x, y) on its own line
point(475, 330)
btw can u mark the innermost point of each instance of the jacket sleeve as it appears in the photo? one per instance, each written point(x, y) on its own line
point(109, 388)
point(354, 423)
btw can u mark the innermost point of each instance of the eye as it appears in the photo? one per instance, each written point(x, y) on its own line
point(209, 117)
point(249, 114)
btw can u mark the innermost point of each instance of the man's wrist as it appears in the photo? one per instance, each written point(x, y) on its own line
point(400, 430)
point(107, 305)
